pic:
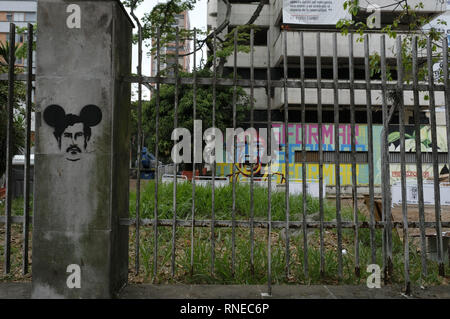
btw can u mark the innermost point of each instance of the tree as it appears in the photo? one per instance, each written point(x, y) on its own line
point(224, 96)
point(159, 23)
point(162, 18)
point(19, 118)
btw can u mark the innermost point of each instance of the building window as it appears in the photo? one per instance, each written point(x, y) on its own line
point(19, 17)
point(9, 17)
point(30, 17)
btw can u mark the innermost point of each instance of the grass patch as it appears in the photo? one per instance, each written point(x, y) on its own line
point(223, 242)
point(223, 250)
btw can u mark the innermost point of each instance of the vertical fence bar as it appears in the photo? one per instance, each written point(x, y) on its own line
point(337, 164)
point(447, 96)
point(213, 190)
point(447, 100)
point(437, 194)
point(304, 186)
point(139, 150)
point(370, 149)
point(26, 187)
point(401, 108)
point(158, 85)
point(447, 105)
point(319, 121)
point(286, 148)
point(353, 146)
point(423, 250)
point(252, 105)
point(175, 125)
point(387, 242)
point(269, 168)
point(233, 230)
point(9, 146)
point(194, 117)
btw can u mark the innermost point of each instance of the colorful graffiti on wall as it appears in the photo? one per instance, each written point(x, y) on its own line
point(426, 144)
point(311, 144)
point(361, 145)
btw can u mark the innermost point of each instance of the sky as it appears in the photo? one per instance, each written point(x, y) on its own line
point(198, 18)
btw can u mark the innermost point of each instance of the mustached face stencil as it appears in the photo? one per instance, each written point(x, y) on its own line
point(72, 132)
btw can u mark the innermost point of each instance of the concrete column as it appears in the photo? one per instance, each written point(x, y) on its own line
point(82, 149)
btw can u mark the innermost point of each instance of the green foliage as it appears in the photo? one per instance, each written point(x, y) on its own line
point(224, 107)
point(414, 23)
point(4, 52)
point(19, 118)
point(162, 19)
point(223, 200)
point(223, 241)
point(22, 51)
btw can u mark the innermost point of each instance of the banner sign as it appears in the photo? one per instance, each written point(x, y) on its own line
point(314, 11)
point(412, 194)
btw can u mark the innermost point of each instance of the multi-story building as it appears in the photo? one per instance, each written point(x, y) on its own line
point(168, 52)
point(272, 21)
point(20, 12)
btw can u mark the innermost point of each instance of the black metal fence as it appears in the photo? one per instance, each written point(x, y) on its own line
point(7, 220)
point(385, 225)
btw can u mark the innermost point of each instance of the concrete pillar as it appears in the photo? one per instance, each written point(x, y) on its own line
point(82, 148)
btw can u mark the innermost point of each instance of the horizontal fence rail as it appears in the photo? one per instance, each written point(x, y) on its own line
point(290, 83)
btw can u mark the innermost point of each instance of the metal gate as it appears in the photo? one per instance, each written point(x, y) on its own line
point(384, 227)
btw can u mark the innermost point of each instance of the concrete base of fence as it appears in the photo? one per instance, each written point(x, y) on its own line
point(23, 291)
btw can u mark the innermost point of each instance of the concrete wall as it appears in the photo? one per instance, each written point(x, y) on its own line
point(81, 194)
point(294, 97)
point(241, 13)
point(326, 42)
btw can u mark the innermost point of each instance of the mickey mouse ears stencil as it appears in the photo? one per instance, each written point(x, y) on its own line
point(71, 131)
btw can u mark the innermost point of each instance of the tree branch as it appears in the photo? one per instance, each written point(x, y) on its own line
point(257, 12)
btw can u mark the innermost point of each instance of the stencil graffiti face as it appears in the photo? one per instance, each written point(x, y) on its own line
point(71, 141)
point(72, 132)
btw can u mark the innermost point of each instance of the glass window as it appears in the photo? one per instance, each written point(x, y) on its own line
point(30, 17)
point(9, 17)
point(19, 16)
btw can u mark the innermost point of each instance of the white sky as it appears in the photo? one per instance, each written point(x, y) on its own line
point(198, 18)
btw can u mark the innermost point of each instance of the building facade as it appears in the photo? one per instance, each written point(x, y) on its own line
point(19, 12)
point(269, 36)
point(168, 52)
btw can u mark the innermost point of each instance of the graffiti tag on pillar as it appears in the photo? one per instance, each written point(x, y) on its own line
point(74, 19)
point(73, 132)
